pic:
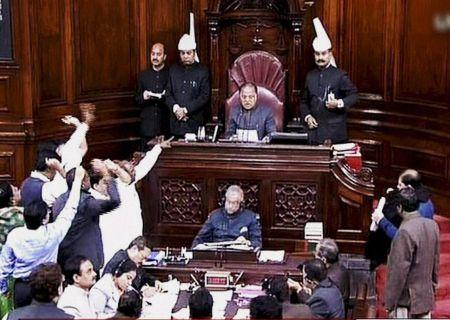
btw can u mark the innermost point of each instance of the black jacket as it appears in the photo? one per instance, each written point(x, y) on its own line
point(84, 236)
point(332, 123)
point(154, 114)
point(142, 277)
point(189, 87)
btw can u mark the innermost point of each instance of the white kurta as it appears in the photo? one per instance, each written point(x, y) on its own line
point(124, 224)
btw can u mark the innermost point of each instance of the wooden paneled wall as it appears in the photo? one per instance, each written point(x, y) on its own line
point(71, 51)
point(400, 64)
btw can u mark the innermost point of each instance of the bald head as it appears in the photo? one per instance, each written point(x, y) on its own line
point(158, 56)
point(409, 177)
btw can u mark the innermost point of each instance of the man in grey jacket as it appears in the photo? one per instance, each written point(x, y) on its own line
point(413, 263)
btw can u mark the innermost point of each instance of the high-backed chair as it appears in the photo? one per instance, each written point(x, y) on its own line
point(267, 73)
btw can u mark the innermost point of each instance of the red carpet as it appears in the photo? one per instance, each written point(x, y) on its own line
point(442, 309)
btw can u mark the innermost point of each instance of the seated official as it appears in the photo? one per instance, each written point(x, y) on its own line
point(250, 120)
point(231, 223)
point(318, 292)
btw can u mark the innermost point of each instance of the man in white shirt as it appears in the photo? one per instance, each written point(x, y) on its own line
point(80, 276)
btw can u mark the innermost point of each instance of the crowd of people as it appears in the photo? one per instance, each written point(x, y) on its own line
point(61, 256)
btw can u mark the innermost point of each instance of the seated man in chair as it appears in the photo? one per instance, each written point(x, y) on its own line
point(231, 223)
point(250, 121)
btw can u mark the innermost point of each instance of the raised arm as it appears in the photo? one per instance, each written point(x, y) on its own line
point(58, 229)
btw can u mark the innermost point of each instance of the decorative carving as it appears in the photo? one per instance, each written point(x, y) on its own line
point(278, 6)
point(181, 201)
point(295, 204)
point(251, 193)
point(257, 39)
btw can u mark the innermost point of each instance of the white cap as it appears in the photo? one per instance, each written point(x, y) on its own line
point(192, 32)
point(321, 42)
point(186, 43)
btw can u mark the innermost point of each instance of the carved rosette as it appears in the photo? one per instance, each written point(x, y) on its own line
point(181, 201)
point(251, 193)
point(295, 204)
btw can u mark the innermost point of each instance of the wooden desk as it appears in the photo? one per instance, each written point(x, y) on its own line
point(287, 185)
point(254, 272)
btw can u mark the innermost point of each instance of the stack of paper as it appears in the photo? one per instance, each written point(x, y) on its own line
point(271, 256)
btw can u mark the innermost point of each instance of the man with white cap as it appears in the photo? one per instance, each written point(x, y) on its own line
point(328, 94)
point(188, 90)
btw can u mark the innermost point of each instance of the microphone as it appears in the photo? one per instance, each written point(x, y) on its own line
point(379, 209)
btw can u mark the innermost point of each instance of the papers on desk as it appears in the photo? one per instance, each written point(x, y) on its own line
point(274, 256)
point(160, 305)
point(229, 245)
point(247, 135)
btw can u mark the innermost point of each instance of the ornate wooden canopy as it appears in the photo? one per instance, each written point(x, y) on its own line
point(239, 26)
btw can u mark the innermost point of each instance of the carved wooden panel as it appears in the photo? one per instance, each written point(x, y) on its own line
point(181, 201)
point(50, 51)
point(251, 193)
point(365, 34)
point(350, 220)
point(422, 51)
point(6, 165)
point(168, 21)
point(106, 47)
point(294, 204)
point(429, 162)
point(4, 92)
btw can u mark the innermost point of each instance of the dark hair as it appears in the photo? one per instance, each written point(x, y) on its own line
point(40, 164)
point(130, 304)
point(408, 199)
point(72, 267)
point(6, 194)
point(34, 213)
point(125, 266)
point(265, 307)
point(45, 280)
point(94, 175)
point(277, 286)
point(315, 270)
point(249, 85)
point(201, 304)
point(140, 242)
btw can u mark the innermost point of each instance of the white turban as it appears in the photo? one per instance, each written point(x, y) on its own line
point(321, 42)
point(187, 43)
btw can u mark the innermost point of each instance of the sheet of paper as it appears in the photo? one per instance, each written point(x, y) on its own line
point(271, 255)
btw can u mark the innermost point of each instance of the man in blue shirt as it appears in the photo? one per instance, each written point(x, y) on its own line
point(35, 243)
point(232, 222)
point(409, 178)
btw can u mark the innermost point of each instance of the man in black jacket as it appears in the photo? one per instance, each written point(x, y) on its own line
point(328, 94)
point(150, 95)
point(84, 236)
point(188, 90)
point(138, 251)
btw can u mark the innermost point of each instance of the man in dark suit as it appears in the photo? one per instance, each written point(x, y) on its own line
point(188, 90)
point(413, 263)
point(328, 94)
point(150, 95)
point(46, 286)
point(84, 236)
